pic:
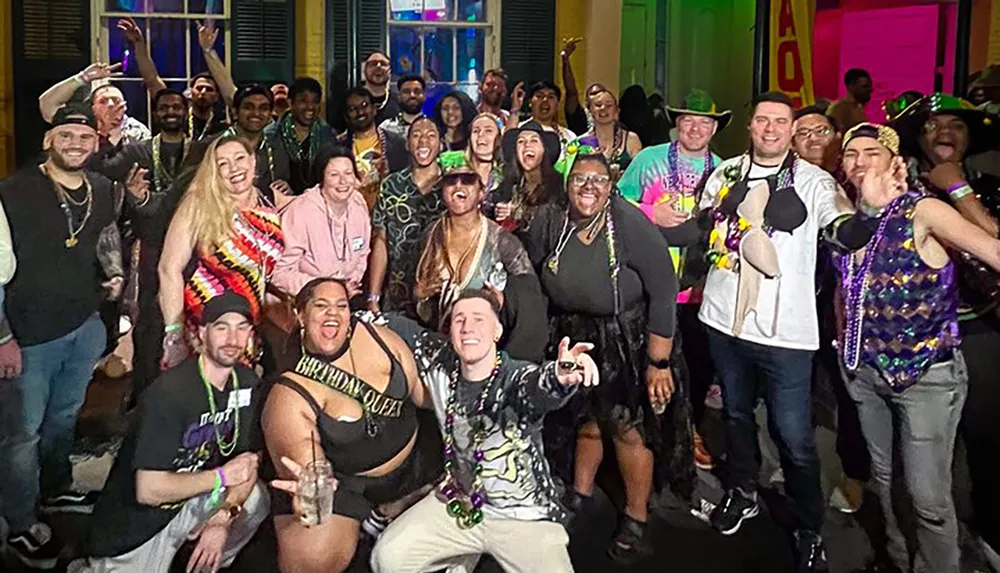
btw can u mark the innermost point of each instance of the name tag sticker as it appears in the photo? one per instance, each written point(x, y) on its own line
point(357, 243)
point(239, 399)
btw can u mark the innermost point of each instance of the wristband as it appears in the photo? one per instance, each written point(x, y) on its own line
point(959, 190)
point(215, 498)
point(79, 79)
point(222, 476)
point(373, 297)
point(175, 327)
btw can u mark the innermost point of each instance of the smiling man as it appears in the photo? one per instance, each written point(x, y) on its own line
point(300, 133)
point(816, 138)
point(907, 372)
point(411, 102)
point(377, 72)
point(377, 152)
point(498, 496)
point(65, 241)
point(408, 203)
point(767, 335)
point(188, 470)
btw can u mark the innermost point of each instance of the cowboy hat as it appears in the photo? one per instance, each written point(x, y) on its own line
point(550, 141)
point(698, 102)
point(984, 128)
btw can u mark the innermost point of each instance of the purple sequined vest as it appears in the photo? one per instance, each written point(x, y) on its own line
point(901, 315)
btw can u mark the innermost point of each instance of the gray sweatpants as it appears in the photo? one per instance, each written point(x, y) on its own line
point(926, 417)
point(155, 555)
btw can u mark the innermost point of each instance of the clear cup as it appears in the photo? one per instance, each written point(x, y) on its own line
point(316, 488)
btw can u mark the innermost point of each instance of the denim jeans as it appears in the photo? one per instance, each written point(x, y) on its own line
point(38, 420)
point(785, 378)
point(926, 417)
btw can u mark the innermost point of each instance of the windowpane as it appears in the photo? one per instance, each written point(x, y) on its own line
point(119, 49)
point(140, 6)
point(205, 7)
point(166, 46)
point(197, 57)
point(472, 10)
point(426, 10)
point(135, 94)
point(404, 47)
point(471, 54)
point(439, 55)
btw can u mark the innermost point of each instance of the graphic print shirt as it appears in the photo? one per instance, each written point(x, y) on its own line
point(175, 432)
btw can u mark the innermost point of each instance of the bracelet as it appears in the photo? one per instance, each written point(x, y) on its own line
point(175, 327)
point(373, 297)
point(79, 79)
point(221, 475)
point(959, 190)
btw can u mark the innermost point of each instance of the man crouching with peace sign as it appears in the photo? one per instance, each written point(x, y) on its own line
point(497, 496)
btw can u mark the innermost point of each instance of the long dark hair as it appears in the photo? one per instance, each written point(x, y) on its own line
point(469, 112)
point(308, 291)
point(552, 184)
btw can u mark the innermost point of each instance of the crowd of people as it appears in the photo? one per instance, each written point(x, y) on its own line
point(449, 318)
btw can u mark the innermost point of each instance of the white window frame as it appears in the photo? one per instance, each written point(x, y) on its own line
point(490, 27)
point(101, 18)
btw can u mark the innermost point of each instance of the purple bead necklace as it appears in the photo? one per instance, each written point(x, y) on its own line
point(857, 291)
point(467, 509)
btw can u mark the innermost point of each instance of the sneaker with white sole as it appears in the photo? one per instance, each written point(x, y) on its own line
point(36, 547)
point(81, 502)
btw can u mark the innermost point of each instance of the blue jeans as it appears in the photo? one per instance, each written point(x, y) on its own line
point(924, 419)
point(38, 420)
point(785, 378)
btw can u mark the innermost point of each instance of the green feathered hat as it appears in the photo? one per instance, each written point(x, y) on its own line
point(574, 149)
point(454, 162)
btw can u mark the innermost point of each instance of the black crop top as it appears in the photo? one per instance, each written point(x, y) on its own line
point(386, 425)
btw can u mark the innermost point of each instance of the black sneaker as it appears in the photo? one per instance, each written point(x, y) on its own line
point(736, 506)
point(36, 547)
point(70, 502)
point(810, 552)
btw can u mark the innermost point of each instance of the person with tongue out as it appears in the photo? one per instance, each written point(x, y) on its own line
point(465, 249)
point(939, 132)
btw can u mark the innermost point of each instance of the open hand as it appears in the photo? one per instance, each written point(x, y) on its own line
point(880, 189)
point(574, 366)
point(131, 30)
point(137, 183)
point(517, 98)
point(207, 35)
point(207, 555)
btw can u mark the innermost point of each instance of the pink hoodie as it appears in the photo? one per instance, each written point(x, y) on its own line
point(320, 244)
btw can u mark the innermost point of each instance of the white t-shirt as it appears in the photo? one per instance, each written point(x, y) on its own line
point(794, 291)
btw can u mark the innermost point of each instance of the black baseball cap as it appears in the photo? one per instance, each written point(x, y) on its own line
point(74, 114)
point(223, 304)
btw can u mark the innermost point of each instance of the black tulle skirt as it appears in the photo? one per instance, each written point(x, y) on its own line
point(621, 402)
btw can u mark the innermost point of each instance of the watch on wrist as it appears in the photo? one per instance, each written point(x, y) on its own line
point(661, 364)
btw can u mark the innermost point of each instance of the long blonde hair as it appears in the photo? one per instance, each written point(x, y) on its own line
point(207, 204)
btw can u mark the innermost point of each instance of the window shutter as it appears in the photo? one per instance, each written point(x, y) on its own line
point(371, 28)
point(263, 40)
point(527, 39)
point(51, 41)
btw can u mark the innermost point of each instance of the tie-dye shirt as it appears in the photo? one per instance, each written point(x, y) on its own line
point(647, 183)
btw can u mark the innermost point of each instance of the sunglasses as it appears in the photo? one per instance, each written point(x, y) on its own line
point(463, 178)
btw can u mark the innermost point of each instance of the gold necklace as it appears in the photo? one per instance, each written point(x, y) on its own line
point(64, 202)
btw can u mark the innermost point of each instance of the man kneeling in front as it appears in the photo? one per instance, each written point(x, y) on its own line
point(187, 471)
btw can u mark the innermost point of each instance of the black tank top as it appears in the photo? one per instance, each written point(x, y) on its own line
point(382, 431)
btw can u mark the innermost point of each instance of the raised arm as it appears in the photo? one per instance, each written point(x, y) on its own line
point(56, 96)
point(207, 35)
point(572, 101)
point(949, 226)
point(147, 69)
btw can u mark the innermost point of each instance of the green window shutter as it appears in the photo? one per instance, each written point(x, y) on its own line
point(263, 40)
point(51, 41)
point(528, 39)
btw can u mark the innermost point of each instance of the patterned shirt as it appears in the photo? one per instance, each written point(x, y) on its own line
point(404, 215)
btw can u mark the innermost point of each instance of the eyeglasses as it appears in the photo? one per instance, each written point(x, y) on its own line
point(463, 178)
point(821, 131)
point(585, 179)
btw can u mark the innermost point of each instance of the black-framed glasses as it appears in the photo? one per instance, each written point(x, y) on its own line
point(585, 179)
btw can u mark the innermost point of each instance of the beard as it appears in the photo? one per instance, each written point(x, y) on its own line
point(66, 164)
